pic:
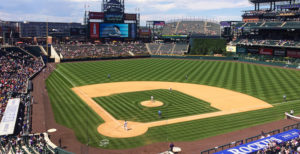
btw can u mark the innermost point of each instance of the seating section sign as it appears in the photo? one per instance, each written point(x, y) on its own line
point(262, 143)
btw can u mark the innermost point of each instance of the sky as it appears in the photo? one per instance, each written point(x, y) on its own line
point(73, 10)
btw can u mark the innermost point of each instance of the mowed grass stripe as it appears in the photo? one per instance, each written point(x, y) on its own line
point(265, 83)
point(176, 105)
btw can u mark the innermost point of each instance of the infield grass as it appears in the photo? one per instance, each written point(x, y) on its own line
point(266, 83)
point(126, 106)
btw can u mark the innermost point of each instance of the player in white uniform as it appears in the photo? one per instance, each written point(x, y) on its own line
point(125, 125)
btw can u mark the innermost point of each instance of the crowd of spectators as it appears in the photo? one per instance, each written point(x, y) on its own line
point(191, 28)
point(290, 147)
point(16, 67)
point(194, 27)
point(266, 42)
point(169, 28)
point(273, 13)
point(77, 51)
point(168, 48)
point(25, 144)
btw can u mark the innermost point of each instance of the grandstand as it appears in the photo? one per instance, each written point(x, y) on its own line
point(186, 53)
point(191, 28)
point(283, 10)
point(17, 68)
point(275, 28)
point(79, 51)
point(170, 28)
point(268, 25)
point(167, 48)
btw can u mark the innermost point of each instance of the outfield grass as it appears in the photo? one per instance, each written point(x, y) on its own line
point(126, 106)
point(266, 83)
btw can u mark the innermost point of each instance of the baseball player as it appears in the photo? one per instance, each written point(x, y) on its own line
point(159, 114)
point(284, 98)
point(125, 125)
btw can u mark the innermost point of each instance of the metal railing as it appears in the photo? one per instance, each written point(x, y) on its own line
point(254, 138)
point(250, 139)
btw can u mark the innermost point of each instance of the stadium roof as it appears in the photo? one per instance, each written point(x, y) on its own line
point(267, 1)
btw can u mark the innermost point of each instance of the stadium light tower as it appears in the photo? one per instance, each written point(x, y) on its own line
point(47, 33)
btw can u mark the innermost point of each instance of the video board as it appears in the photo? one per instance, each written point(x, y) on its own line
point(117, 30)
point(114, 30)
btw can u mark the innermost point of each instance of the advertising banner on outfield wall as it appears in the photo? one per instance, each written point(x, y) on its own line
point(293, 53)
point(252, 50)
point(94, 30)
point(279, 53)
point(264, 51)
point(262, 143)
point(230, 48)
point(241, 50)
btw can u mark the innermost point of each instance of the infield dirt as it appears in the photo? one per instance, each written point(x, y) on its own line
point(227, 101)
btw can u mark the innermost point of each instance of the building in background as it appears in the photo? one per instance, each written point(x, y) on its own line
point(272, 28)
point(55, 29)
point(13, 31)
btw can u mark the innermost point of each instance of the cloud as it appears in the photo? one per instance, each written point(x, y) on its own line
point(73, 10)
point(38, 17)
point(189, 4)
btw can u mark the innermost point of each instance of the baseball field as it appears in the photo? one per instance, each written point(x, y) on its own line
point(207, 98)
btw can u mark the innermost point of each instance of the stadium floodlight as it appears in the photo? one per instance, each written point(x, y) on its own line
point(266, 1)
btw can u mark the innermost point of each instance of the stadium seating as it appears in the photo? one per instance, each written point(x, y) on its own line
point(256, 24)
point(292, 25)
point(180, 49)
point(25, 144)
point(213, 29)
point(77, 51)
point(169, 28)
point(271, 24)
point(168, 48)
point(153, 47)
point(191, 27)
point(16, 67)
point(282, 43)
point(35, 50)
point(239, 24)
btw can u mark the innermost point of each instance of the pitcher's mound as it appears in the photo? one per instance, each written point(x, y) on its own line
point(152, 104)
point(115, 129)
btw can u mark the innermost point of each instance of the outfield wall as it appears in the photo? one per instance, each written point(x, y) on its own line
point(239, 59)
point(103, 58)
point(199, 57)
